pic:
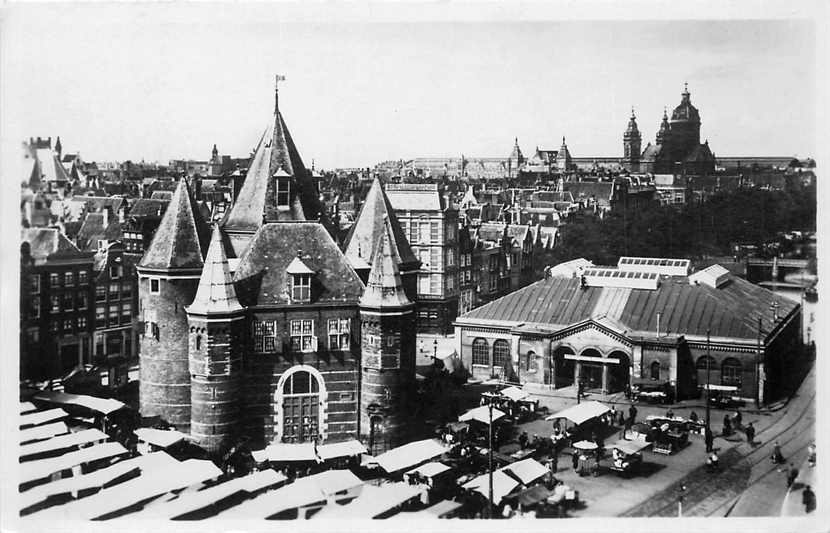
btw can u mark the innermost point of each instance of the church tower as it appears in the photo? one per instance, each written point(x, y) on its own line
point(168, 276)
point(632, 142)
point(516, 160)
point(387, 318)
point(685, 124)
point(663, 132)
point(563, 158)
point(215, 338)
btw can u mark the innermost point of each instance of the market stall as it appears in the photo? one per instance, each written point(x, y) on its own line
point(583, 418)
point(627, 456)
point(652, 391)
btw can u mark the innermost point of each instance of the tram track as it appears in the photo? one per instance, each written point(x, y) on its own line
point(698, 483)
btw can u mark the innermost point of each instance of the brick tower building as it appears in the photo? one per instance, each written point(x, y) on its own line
point(632, 141)
point(168, 276)
point(387, 318)
point(216, 339)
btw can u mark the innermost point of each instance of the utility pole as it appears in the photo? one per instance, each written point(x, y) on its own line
point(708, 377)
point(757, 366)
point(490, 460)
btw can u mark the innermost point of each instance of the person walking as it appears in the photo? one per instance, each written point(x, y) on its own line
point(738, 419)
point(613, 418)
point(777, 457)
point(808, 498)
point(727, 426)
point(575, 459)
point(632, 414)
point(621, 418)
point(750, 433)
point(554, 463)
point(792, 474)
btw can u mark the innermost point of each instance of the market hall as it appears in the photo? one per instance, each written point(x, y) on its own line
point(645, 319)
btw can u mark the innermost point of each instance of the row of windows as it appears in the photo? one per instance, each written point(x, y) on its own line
point(113, 291)
point(500, 353)
point(68, 325)
point(431, 258)
point(731, 369)
point(113, 315)
point(58, 304)
point(301, 335)
point(69, 280)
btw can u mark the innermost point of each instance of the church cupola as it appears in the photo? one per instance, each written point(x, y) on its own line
point(662, 134)
point(632, 142)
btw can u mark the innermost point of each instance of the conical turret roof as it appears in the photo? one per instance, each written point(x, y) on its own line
point(180, 237)
point(375, 214)
point(216, 293)
point(384, 289)
point(257, 201)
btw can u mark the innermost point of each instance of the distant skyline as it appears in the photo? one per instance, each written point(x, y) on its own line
point(133, 83)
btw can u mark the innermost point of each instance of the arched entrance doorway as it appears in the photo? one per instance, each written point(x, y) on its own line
point(619, 375)
point(299, 404)
point(563, 369)
point(591, 372)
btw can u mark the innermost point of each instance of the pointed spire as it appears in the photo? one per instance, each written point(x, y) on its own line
point(369, 226)
point(181, 236)
point(277, 79)
point(216, 293)
point(384, 288)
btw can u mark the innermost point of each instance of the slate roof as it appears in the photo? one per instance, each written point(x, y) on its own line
point(162, 195)
point(256, 203)
point(181, 236)
point(216, 293)
point(261, 277)
point(92, 229)
point(555, 303)
point(77, 204)
point(49, 167)
point(46, 241)
point(370, 226)
point(146, 207)
point(601, 190)
point(384, 288)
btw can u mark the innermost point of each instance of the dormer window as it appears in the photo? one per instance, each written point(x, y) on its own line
point(300, 278)
point(301, 288)
point(282, 187)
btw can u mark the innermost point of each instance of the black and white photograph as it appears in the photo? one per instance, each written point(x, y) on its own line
point(283, 266)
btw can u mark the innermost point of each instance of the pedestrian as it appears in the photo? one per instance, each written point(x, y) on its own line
point(621, 418)
point(738, 419)
point(693, 417)
point(575, 459)
point(632, 414)
point(613, 417)
point(554, 463)
point(727, 426)
point(792, 474)
point(750, 433)
point(556, 426)
point(523, 440)
point(709, 438)
point(670, 414)
point(777, 457)
point(811, 454)
point(808, 498)
point(580, 387)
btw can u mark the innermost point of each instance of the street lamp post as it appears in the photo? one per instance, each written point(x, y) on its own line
point(490, 400)
point(708, 377)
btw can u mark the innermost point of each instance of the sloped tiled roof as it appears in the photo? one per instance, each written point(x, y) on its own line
point(181, 237)
point(375, 213)
point(601, 190)
point(46, 241)
point(261, 277)
point(731, 311)
point(50, 166)
point(145, 207)
point(92, 229)
point(216, 293)
point(414, 197)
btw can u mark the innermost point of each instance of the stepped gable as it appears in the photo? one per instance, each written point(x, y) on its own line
point(375, 214)
point(181, 237)
point(262, 276)
point(384, 288)
point(216, 293)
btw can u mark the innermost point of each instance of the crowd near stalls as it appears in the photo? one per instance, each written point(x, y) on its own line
point(76, 463)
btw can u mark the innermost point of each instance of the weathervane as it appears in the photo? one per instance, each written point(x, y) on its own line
point(277, 79)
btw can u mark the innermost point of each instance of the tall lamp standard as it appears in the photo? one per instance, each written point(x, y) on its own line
point(708, 377)
point(490, 400)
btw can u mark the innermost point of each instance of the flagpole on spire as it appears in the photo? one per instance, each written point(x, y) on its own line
point(277, 79)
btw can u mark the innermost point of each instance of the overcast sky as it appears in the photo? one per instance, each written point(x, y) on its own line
point(142, 82)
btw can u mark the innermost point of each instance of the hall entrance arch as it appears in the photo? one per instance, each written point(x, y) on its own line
point(563, 369)
point(619, 375)
point(591, 371)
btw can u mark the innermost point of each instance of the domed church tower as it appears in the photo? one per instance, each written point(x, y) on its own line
point(632, 142)
point(388, 350)
point(685, 124)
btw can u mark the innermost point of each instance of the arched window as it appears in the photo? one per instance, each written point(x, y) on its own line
point(655, 370)
point(731, 372)
point(702, 363)
point(481, 352)
point(501, 353)
point(530, 361)
point(198, 342)
point(300, 407)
